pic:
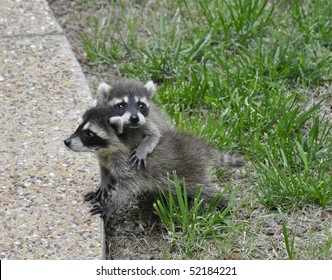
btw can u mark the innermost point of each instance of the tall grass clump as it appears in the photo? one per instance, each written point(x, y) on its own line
point(188, 222)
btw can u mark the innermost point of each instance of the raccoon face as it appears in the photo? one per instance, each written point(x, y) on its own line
point(132, 109)
point(88, 138)
point(130, 100)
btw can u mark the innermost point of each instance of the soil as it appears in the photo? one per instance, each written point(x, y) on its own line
point(138, 234)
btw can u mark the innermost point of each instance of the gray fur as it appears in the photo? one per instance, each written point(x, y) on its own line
point(191, 158)
point(155, 124)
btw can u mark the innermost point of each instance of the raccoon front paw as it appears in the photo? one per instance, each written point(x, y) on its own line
point(100, 196)
point(105, 211)
point(138, 159)
point(90, 196)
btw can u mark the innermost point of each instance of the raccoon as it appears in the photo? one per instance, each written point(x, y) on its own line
point(133, 101)
point(191, 158)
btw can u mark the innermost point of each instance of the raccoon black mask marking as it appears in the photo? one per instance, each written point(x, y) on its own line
point(92, 135)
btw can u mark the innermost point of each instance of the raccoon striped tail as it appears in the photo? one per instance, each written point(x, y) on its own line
point(228, 160)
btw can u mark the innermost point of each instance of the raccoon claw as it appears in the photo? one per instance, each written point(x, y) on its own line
point(90, 196)
point(98, 209)
point(137, 160)
point(93, 197)
point(138, 163)
point(101, 195)
point(105, 212)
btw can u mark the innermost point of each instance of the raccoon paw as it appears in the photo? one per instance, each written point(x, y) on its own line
point(98, 209)
point(94, 197)
point(137, 159)
point(101, 195)
point(105, 211)
point(91, 196)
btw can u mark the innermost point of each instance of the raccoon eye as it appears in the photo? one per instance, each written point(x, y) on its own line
point(120, 106)
point(142, 106)
point(89, 133)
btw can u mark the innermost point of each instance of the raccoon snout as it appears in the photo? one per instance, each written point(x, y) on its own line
point(67, 142)
point(134, 118)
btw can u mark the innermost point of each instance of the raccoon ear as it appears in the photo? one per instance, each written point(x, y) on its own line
point(150, 86)
point(94, 103)
point(102, 93)
point(117, 123)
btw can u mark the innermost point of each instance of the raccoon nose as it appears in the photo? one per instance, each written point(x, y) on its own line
point(134, 118)
point(67, 142)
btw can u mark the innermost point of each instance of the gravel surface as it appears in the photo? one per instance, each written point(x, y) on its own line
point(42, 94)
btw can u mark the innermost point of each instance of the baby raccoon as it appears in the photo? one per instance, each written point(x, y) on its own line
point(132, 101)
point(191, 158)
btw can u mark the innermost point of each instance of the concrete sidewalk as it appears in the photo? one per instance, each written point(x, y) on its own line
point(43, 92)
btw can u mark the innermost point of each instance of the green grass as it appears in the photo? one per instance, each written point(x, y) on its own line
point(289, 240)
point(250, 76)
point(189, 223)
